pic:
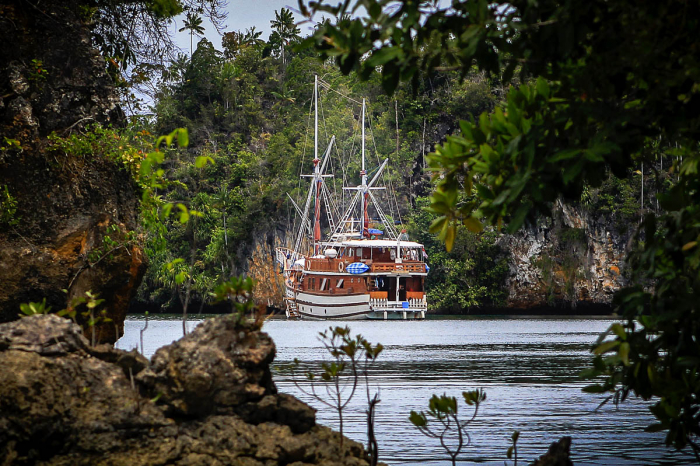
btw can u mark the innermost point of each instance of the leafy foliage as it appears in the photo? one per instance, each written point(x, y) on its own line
point(8, 208)
point(29, 309)
point(442, 421)
point(606, 86)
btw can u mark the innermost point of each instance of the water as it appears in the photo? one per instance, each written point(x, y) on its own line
point(528, 368)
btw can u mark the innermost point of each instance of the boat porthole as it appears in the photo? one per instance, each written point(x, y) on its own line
point(325, 311)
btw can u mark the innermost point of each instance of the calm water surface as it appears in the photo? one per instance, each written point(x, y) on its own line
point(528, 368)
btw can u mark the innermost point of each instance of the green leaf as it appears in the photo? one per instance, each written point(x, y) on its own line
point(655, 428)
point(202, 160)
point(565, 154)
point(418, 420)
point(594, 389)
point(518, 218)
point(167, 208)
point(183, 139)
point(450, 234)
point(605, 347)
point(473, 224)
point(619, 331)
point(624, 352)
point(383, 55)
point(688, 246)
point(437, 224)
point(572, 171)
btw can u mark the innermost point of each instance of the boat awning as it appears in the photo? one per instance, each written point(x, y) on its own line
point(379, 243)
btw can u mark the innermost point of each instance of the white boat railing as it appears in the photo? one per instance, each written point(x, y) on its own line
point(386, 305)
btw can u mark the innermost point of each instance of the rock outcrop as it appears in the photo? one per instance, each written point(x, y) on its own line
point(57, 208)
point(557, 455)
point(569, 261)
point(207, 399)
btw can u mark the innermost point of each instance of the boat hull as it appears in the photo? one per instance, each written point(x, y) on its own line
point(359, 306)
point(320, 307)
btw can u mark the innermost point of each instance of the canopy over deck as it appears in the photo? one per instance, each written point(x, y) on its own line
point(375, 243)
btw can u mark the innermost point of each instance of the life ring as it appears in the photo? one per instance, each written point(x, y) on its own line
point(308, 264)
point(341, 266)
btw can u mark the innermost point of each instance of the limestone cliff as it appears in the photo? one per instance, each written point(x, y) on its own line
point(572, 260)
point(262, 267)
point(57, 208)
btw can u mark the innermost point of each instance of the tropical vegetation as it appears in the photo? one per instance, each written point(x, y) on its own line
point(602, 88)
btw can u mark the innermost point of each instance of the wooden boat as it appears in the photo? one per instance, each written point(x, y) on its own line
point(357, 271)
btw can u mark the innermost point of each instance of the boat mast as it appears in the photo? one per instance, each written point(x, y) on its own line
point(364, 215)
point(317, 176)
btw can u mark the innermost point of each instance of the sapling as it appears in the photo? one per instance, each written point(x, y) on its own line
point(352, 359)
point(442, 422)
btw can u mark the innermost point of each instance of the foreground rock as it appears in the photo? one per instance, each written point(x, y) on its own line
point(207, 399)
point(557, 455)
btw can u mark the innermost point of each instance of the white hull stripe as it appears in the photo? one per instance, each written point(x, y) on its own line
point(335, 316)
point(322, 305)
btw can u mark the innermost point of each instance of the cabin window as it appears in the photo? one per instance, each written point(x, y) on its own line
point(359, 253)
point(392, 253)
point(324, 282)
point(351, 252)
point(339, 283)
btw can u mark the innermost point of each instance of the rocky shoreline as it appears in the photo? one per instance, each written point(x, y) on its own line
point(207, 399)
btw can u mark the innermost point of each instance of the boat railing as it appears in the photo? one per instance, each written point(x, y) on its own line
point(286, 257)
point(409, 304)
point(405, 267)
point(338, 265)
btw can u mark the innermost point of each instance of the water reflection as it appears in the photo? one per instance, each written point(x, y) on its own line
point(528, 368)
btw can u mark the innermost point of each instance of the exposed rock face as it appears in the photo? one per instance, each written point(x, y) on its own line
point(570, 261)
point(205, 400)
point(53, 80)
point(264, 269)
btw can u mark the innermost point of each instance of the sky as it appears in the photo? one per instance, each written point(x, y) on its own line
point(242, 14)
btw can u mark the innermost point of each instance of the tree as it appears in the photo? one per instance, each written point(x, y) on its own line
point(599, 81)
point(284, 30)
point(193, 23)
point(133, 35)
point(234, 42)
